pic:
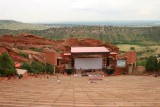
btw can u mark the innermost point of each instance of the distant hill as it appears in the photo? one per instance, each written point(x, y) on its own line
point(125, 23)
point(15, 25)
point(111, 34)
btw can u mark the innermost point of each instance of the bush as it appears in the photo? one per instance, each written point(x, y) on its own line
point(23, 55)
point(37, 67)
point(26, 66)
point(49, 68)
point(36, 49)
point(158, 66)
point(132, 48)
point(141, 62)
point(151, 64)
point(69, 71)
point(7, 67)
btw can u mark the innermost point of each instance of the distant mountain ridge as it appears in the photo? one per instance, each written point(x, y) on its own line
point(16, 25)
point(133, 35)
point(133, 23)
point(112, 34)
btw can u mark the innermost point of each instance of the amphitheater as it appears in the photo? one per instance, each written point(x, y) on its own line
point(112, 91)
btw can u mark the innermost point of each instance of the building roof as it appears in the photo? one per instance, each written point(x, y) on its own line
point(89, 50)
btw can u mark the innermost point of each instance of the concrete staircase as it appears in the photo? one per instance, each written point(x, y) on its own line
point(117, 91)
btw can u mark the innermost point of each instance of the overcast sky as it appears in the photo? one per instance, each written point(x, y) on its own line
point(79, 10)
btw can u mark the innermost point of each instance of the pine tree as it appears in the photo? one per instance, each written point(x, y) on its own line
point(7, 67)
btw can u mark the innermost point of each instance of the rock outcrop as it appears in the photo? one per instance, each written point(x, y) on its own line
point(34, 45)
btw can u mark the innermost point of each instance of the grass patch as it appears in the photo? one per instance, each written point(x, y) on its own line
point(23, 55)
point(36, 49)
point(142, 51)
point(141, 62)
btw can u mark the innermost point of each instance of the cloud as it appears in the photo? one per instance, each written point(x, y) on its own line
point(79, 10)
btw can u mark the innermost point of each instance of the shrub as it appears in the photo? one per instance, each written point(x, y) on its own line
point(158, 66)
point(36, 49)
point(23, 55)
point(37, 67)
point(7, 67)
point(141, 62)
point(26, 66)
point(132, 48)
point(49, 68)
point(69, 71)
point(151, 63)
point(139, 53)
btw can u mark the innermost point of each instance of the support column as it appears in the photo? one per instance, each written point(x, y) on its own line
point(130, 68)
point(72, 63)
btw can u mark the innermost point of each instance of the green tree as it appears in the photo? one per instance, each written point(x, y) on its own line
point(37, 67)
point(49, 68)
point(151, 64)
point(26, 66)
point(7, 67)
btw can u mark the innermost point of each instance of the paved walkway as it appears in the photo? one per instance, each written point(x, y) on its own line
point(119, 91)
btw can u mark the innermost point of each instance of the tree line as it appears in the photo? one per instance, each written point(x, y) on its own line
point(112, 34)
point(7, 66)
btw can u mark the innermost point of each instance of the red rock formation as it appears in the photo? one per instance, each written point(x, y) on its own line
point(27, 39)
point(24, 43)
point(15, 56)
point(2, 50)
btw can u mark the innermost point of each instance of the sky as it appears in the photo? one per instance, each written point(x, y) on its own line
point(39, 11)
